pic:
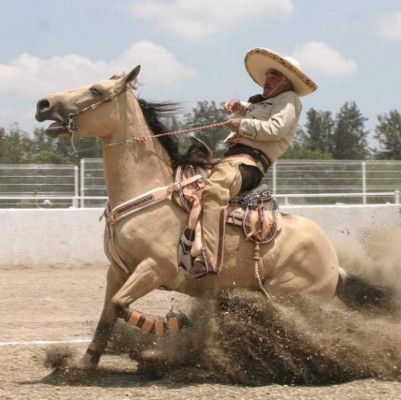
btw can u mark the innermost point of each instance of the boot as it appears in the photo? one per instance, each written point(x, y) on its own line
point(197, 269)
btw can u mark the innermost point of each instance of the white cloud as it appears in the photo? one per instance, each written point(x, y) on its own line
point(390, 26)
point(28, 76)
point(158, 65)
point(197, 19)
point(321, 58)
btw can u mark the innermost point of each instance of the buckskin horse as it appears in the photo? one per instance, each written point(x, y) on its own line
point(142, 245)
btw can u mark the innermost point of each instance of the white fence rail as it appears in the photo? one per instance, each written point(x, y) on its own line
point(293, 182)
point(38, 185)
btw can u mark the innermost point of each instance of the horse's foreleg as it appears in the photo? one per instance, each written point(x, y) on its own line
point(121, 292)
point(149, 275)
point(115, 280)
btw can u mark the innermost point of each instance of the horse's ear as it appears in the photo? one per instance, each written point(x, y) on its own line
point(132, 75)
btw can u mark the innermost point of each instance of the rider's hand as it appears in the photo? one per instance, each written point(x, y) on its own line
point(231, 106)
point(234, 124)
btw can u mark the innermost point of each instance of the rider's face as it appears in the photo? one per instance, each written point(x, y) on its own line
point(275, 83)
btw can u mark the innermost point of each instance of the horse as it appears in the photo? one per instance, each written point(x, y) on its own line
point(139, 163)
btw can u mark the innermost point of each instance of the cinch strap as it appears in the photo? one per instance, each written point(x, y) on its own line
point(144, 200)
point(136, 204)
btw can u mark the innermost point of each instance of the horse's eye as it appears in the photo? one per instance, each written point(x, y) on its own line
point(95, 91)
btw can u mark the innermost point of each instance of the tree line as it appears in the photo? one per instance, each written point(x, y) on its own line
point(324, 135)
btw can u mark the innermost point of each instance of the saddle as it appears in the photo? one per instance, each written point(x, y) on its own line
point(256, 211)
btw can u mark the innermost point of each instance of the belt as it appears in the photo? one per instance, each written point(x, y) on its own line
point(255, 153)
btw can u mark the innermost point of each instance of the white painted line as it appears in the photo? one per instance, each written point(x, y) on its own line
point(41, 342)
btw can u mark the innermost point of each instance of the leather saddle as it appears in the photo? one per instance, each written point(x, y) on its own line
point(256, 211)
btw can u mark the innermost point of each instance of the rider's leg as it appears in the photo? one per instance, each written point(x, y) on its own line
point(227, 180)
point(224, 183)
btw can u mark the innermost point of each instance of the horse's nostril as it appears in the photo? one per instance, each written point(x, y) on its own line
point(42, 108)
point(42, 105)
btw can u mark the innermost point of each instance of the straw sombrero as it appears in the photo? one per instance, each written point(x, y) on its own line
point(259, 60)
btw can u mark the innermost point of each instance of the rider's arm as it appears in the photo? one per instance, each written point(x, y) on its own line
point(236, 107)
point(242, 109)
point(283, 118)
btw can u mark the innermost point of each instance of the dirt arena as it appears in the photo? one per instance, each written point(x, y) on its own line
point(51, 309)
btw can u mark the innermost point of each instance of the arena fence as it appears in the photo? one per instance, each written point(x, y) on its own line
point(293, 182)
point(39, 185)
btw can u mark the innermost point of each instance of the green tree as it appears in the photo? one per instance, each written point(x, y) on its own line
point(64, 149)
point(77, 148)
point(206, 113)
point(295, 152)
point(388, 134)
point(19, 147)
point(3, 150)
point(42, 150)
point(302, 147)
point(349, 135)
point(15, 145)
point(318, 131)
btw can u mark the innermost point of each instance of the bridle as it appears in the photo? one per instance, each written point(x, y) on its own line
point(72, 125)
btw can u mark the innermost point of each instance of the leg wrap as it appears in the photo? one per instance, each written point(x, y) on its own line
point(92, 353)
point(159, 326)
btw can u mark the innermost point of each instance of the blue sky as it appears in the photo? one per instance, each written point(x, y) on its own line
point(193, 50)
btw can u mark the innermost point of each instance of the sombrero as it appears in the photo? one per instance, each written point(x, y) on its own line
point(259, 60)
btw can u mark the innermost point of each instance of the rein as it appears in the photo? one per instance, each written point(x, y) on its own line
point(72, 126)
point(172, 133)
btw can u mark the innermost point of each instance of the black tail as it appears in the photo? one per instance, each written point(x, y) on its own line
point(359, 293)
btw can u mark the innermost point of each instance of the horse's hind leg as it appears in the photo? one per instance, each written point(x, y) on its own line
point(115, 280)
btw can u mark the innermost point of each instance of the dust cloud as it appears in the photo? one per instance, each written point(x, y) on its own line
point(244, 339)
point(378, 258)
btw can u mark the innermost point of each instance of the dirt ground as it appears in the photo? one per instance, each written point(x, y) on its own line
point(42, 307)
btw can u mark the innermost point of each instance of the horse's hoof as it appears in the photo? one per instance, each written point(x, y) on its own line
point(86, 363)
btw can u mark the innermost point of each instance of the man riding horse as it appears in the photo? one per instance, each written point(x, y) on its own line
point(140, 178)
point(261, 132)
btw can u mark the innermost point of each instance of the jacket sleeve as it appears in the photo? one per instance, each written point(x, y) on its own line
point(242, 109)
point(284, 116)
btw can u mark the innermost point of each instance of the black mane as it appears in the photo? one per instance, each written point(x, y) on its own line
point(153, 113)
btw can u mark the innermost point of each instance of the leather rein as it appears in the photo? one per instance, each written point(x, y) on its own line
point(72, 126)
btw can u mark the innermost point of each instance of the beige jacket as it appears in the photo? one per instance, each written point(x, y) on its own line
point(268, 126)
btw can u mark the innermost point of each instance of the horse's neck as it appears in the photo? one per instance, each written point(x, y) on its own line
point(132, 169)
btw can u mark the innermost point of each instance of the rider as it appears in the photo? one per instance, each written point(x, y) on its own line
point(261, 131)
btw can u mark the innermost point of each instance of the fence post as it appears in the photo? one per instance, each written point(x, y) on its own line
point(363, 182)
point(75, 200)
point(82, 182)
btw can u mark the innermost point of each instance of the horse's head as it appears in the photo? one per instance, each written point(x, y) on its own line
point(73, 110)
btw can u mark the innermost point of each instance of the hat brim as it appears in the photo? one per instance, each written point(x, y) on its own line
point(259, 60)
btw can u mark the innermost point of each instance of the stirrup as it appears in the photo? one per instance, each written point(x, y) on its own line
point(197, 269)
point(184, 249)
